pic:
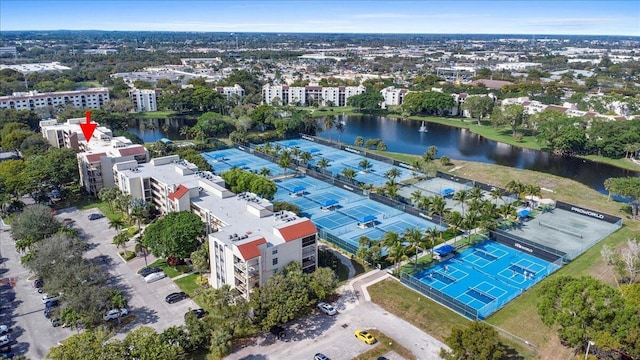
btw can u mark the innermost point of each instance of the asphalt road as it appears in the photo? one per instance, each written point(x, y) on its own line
point(22, 308)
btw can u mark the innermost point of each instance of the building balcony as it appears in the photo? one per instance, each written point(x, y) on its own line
point(308, 263)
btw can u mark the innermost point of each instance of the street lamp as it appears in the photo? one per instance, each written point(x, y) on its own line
point(589, 344)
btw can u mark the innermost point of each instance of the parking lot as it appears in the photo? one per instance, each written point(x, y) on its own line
point(334, 336)
point(22, 308)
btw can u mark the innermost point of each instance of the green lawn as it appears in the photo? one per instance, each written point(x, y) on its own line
point(171, 271)
point(188, 284)
point(156, 114)
point(621, 163)
point(86, 203)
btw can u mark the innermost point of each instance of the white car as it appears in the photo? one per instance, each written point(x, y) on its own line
point(115, 313)
point(4, 329)
point(155, 277)
point(46, 298)
point(327, 309)
point(4, 340)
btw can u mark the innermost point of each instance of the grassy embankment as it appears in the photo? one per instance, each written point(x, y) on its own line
point(519, 317)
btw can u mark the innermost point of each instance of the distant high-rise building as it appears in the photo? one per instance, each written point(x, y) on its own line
point(308, 95)
point(144, 99)
point(92, 98)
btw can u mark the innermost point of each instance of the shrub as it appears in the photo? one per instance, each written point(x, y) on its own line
point(127, 255)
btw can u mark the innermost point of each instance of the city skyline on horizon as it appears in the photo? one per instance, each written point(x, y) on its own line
point(603, 18)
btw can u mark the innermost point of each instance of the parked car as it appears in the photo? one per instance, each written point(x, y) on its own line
point(327, 308)
point(155, 277)
point(175, 297)
point(46, 298)
point(115, 313)
point(95, 216)
point(365, 337)
point(278, 331)
point(145, 271)
point(51, 304)
point(4, 329)
point(55, 322)
point(5, 349)
point(320, 356)
point(38, 284)
point(8, 355)
point(200, 313)
point(4, 340)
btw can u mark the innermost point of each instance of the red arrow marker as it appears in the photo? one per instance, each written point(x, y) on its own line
point(88, 128)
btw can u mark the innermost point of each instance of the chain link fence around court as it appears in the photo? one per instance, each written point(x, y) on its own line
point(439, 297)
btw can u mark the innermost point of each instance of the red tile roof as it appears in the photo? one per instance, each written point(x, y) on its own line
point(132, 150)
point(181, 190)
point(492, 84)
point(557, 108)
point(250, 250)
point(297, 230)
point(95, 157)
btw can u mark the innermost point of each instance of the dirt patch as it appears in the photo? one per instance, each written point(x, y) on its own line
point(547, 184)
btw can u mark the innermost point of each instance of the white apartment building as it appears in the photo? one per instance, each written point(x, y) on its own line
point(144, 99)
point(229, 91)
point(392, 96)
point(307, 95)
point(248, 241)
point(92, 98)
point(95, 157)
point(518, 66)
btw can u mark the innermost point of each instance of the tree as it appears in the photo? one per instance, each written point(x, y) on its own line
point(414, 237)
point(323, 163)
point(34, 224)
point(284, 161)
point(200, 258)
point(177, 234)
point(461, 197)
point(359, 141)
point(445, 161)
point(365, 164)
point(121, 240)
point(395, 250)
point(478, 341)
point(513, 114)
point(628, 187)
point(478, 106)
point(90, 345)
point(368, 101)
point(34, 144)
point(140, 248)
point(144, 343)
point(329, 123)
point(349, 173)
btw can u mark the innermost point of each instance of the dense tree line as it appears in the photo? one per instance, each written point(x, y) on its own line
point(428, 103)
point(368, 101)
point(238, 180)
point(178, 234)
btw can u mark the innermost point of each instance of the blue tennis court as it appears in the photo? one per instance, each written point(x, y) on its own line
point(494, 275)
point(398, 226)
point(333, 221)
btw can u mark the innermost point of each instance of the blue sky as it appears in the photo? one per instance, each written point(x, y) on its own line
point(348, 16)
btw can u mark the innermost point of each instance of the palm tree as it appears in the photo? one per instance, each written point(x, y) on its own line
point(476, 193)
point(533, 190)
point(516, 187)
point(608, 183)
point(496, 194)
point(140, 248)
point(329, 123)
point(359, 141)
point(264, 172)
point(391, 188)
point(416, 196)
point(121, 240)
point(392, 174)
point(165, 128)
point(445, 161)
point(323, 164)
point(284, 161)
point(455, 220)
point(116, 223)
point(365, 164)
point(295, 152)
point(306, 157)
point(381, 146)
point(431, 235)
point(349, 173)
point(506, 211)
point(414, 237)
point(461, 197)
point(185, 131)
point(395, 250)
point(340, 128)
point(439, 207)
point(425, 203)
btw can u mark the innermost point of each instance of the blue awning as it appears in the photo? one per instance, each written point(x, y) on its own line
point(444, 250)
point(329, 202)
point(523, 212)
point(314, 150)
point(447, 192)
point(218, 156)
point(367, 218)
point(298, 189)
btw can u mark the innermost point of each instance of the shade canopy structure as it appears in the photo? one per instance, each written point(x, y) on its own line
point(329, 202)
point(298, 189)
point(447, 192)
point(367, 218)
point(445, 249)
point(523, 212)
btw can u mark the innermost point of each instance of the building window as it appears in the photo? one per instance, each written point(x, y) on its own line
point(274, 251)
point(275, 261)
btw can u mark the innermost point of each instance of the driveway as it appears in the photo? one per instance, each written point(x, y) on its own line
point(22, 308)
point(333, 336)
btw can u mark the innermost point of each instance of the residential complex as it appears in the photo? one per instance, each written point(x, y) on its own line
point(144, 99)
point(392, 96)
point(308, 95)
point(92, 98)
point(248, 241)
point(95, 157)
point(229, 91)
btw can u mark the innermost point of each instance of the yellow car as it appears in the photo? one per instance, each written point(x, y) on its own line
point(365, 337)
